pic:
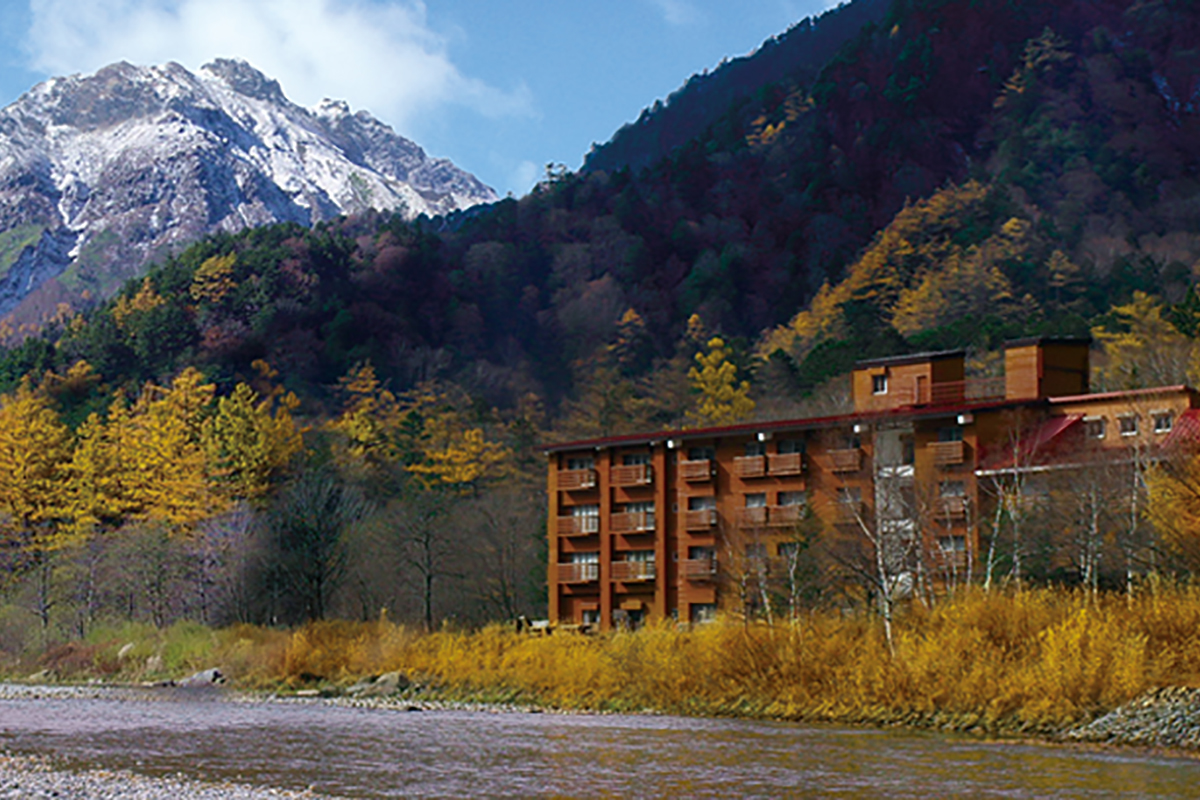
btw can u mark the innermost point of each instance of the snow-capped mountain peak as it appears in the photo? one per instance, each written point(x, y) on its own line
point(101, 173)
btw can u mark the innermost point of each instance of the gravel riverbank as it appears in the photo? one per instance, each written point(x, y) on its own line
point(1168, 718)
point(35, 778)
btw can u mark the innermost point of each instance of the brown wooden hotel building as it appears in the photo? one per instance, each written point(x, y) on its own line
point(654, 525)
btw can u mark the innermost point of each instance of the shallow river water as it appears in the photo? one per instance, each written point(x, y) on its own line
point(389, 753)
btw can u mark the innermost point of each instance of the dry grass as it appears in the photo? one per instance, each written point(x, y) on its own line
point(1032, 660)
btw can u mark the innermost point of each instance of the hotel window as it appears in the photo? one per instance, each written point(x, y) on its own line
point(1163, 421)
point(702, 453)
point(789, 446)
point(1128, 424)
point(756, 449)
point(645, 507)
point(635, 459)
point(583, 462)
point(702, 503)
point(699, 613)
point(590, 616)
point(756, 500)
point(791, 498)
point(879, 384)
point(1093, 427)
point(951, 433)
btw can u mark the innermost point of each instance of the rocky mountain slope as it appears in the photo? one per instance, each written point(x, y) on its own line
point(101, 173)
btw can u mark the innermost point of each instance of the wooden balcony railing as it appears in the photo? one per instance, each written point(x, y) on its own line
point(633, 522)
point(945, 392)
point(630, 571)
point(578, 573)
point(947, 454)
point(850, 511)
point(785, 464)
point(699, 569)
point(752, 515)
point(573, 480)
point(750, 466)
point(696, 471)
point(784, 515)
point(848, 460)
point(631, 475)
point(953, 507)
point(700, 519)
point(578, 526)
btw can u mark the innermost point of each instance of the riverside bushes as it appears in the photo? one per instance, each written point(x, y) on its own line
point(1034, 660)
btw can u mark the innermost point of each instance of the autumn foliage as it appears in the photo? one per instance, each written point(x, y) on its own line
point(1023, 661)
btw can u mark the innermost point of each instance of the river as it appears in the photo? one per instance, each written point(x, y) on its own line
point(369, 753)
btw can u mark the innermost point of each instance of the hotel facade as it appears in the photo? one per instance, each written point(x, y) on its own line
point(679, 524)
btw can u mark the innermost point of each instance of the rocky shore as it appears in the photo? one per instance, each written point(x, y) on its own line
point(1168, 718)
point(35, 778)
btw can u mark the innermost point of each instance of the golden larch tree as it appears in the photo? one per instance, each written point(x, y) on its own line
point(723, 399)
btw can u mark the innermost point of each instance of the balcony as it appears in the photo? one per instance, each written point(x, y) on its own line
point(953, 507)
point(752, 515)
point(850, 512)
point(574, 480)
point(699, 570)
point(750, 466)
point(633, 522)
point(696, 471)
point(633, 571)
point(631, 475)
point(782, 516)
point(848, 460)
point(700, 519)
point(972, 390)
point(578, 526)
point(946, 454)
point(578, 573)
point(785, 464)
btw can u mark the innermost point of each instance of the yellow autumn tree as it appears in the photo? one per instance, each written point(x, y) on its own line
point(35, 446)
point(146, 299)
point(458, 457)
point(722, 398)
point(1140, 347)
point(1174, 507)
point(452, 452)
point(164, 468)
point(250, 439)
point(371, 416)
point(213, 279)
point(917, 242)
point(97, 476)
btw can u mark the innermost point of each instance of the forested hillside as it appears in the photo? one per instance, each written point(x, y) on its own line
point(794, 57)
point(961, 172)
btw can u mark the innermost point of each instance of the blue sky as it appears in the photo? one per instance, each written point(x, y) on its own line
point(501, 87)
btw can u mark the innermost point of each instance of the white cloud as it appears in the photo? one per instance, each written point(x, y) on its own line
point(679, 12)
point(381, 56)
